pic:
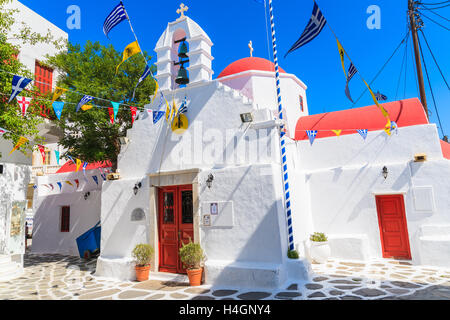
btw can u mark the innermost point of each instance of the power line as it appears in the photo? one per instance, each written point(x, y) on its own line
point(431, 89)
point(384, 66)
point(435, 4)
point(435, 13)
point(445, 6)
point(435, 61)
point(442, 26)
point(401, 68)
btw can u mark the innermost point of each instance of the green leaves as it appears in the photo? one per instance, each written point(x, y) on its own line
point(91, 70)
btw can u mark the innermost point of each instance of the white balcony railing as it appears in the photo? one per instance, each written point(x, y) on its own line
point(45, 170)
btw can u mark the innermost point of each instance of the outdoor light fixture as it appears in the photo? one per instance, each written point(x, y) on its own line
point(385, 172)
point(87, 195)
point(210, 181)
point(246, 117)
point(137, 187)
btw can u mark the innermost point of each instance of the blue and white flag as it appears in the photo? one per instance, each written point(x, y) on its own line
point(18, 84)
point(351, 73)
point(312, 134)
point(147, 72)
point(394, 127)
point(71, 159)
point(363, 133)
point(115, 17)
point(312, 30)
point(158, 115)
point(35, 187)
point(95, 179)
point(380, 96)
point(183, 108)
point(85, 100)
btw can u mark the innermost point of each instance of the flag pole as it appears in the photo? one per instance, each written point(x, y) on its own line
point(285, 177)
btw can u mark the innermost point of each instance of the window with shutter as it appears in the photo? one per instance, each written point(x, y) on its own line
point(65, 219)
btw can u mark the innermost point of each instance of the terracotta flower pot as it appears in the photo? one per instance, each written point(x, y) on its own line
point(195, 277)
point(142, 273)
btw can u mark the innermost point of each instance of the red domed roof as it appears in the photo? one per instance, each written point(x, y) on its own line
point(247, 64)
point(405, 113)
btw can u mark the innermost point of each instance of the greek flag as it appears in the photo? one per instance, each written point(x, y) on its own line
point(363, 133)
point(183, 107)
point(312, 134)
point(380, 96)
point(351, 73)
point(312, 30)
point(85, 100)
point(147, 72)
point(115, 17)
point(18, 84)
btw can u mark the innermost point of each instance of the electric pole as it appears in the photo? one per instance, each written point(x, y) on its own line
point(415, 25)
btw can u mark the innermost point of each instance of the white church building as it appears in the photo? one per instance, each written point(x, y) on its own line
point(219, 182)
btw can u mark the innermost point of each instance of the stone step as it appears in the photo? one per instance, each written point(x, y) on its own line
point(7, 269)
point(5, 259)
point(15, 273)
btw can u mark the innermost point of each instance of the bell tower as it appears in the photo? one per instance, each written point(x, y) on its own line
point(183, 43)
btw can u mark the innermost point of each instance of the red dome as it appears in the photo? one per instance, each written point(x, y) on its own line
point(246, 64)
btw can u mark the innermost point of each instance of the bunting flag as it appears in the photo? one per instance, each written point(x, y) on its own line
point(85, 100)
point(132, 49)
point(78, 183)
point(146, 73)
point(57, 156)
point(3, 131)
point(86, 107)
point(52, 186)
point(59, 185)
point(312, 30)
point(380, 96)
point(102, 174)
point(312, 134)
point(78, 165)
point(71, 159)
point(35, 187)
point(157, 115)
point(84, 171)
point(58, 108)
point(47, 186)
point(351, 73)
point(337, 132)
point(20, 143)
point(111, 115)
point(363, 133)
point(114, 18)
point(58, 93)
point(116, 106)
point(42, 151)
point(133, 114)
point(394, 127)
point(156, 90)
point(70, 183)
point(18, 84)
point(95, 179)
point(24, 103)
point(183, 108)
point(387, 128)
point(169, 111)
point(342, 55)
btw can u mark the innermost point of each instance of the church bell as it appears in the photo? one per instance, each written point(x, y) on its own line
point(182, 77)
point(182, 53)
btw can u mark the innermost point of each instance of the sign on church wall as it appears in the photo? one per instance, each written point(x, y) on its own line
point(218, 214)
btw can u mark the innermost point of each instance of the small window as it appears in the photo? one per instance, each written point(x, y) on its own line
point(65, 219)
point(302, 107)
point(48, 155)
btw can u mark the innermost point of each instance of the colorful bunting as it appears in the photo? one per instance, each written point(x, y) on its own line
point(363, 133)
point(86, 107)
point(111, 115)
point(146, 73)
point(18, 84)
point(24, 103)
point(78, 183)
point(78, 165)
point(57, 156)
point(85, 100)
point(53, 188)
point(42, 151)
point(133, 114)
point(116, 106)
point(157, 115)
point(132, 49)
point(59, 185)
point(58, 108)
point(95, 179)
point(3, 131)
point(312, 134)
point(20, 143)
point(71, 159)
point(70, 183)
point(58, 93)
point(337, 132)
point(114, 18)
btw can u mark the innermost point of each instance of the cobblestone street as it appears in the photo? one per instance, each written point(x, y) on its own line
point(56, 277)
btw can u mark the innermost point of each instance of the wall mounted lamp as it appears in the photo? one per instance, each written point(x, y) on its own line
point(210, 181)
point(385, 172)
point(246, 117)
point(137, 187)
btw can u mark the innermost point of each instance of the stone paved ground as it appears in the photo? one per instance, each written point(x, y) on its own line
point(56, 277)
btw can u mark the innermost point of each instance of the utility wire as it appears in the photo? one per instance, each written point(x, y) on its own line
point(431, 89)
point(434, 58)
point(381, 70)
point(435, 4)
point(442, 26)
point(439, 15)
point(445, 6)
point(401, 68)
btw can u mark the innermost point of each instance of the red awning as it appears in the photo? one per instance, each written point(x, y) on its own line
point(405, 113)
point(71, 167)
point(445, 149)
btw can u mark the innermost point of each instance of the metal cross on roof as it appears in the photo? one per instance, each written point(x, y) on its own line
point(182, 10)
point(250, 46)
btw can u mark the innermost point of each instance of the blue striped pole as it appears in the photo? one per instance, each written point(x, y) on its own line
point(287, 195)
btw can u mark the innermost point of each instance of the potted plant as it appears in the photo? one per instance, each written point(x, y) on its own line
point(142, 254)
point(320, 249)
point(293, 254)
point(192, 256)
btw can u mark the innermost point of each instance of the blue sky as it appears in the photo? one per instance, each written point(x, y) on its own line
point(232, 24)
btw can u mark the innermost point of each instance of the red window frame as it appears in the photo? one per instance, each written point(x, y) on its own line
point(302, 108)
point(65, 219)
point(44, 83)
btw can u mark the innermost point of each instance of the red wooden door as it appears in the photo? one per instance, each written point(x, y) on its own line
point(393, 227)
point(176, 220)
